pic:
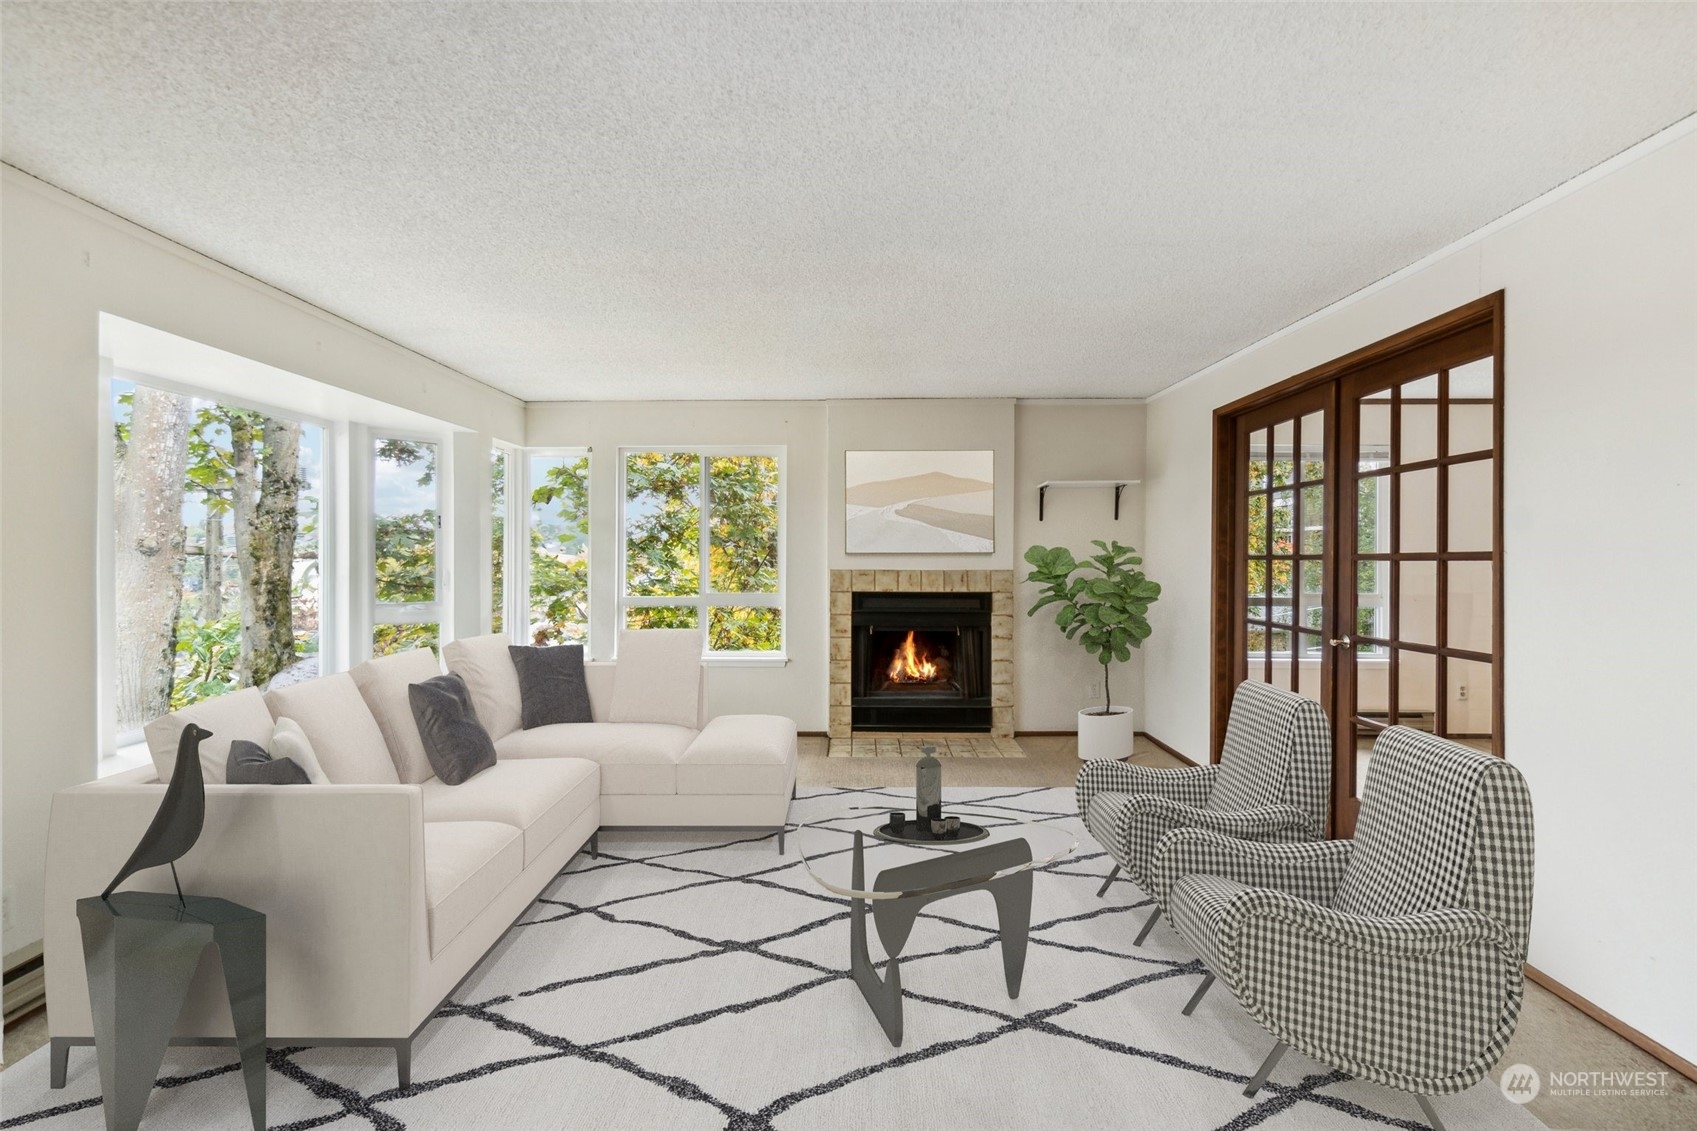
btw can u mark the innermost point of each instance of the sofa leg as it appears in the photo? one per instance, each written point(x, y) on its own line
point(1196, 998)
point(1147, 927)
point(1266, 1070)
point(1103, 890)
point(781, 830)
point(60, 1054)
point(795, 788)
point(595, 844)
point(1431, 1115)
point(403, 1063)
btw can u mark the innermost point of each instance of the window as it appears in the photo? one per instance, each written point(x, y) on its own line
point(407, 520)
point(701, 547)
point(559, 548)
point(217, 578)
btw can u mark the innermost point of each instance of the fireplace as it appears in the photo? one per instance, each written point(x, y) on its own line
point(921, 661)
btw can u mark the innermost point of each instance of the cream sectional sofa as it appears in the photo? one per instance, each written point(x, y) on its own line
point(385, 887)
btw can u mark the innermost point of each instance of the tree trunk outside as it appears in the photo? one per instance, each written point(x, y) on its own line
point(151, 546)
point(268, 641)
point(244, 488)
point(212, 566)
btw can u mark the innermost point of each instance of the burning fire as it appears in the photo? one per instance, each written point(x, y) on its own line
point(908, 666)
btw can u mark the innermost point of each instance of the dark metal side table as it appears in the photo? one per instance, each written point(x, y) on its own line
point(141, 950)
point(841, 848)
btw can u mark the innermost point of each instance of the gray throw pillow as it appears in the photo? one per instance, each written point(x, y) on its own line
point(552, 688)
point(250, 764)
point(455, 742)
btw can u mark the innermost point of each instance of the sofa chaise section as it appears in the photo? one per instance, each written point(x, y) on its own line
point(730, 771)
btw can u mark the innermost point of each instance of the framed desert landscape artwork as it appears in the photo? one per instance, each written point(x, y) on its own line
point(921, 502)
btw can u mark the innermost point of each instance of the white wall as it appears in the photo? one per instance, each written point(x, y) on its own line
point(1599, 540)
point(799, 688)
point(1053, 676)
point(62, 263)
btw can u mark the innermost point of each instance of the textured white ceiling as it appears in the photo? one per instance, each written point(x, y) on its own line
point(600, 202)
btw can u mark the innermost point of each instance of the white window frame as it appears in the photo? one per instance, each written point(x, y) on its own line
point(512, 559)
point(410, 612)
point(519, 519)
point(331, 599)
point(706, 597)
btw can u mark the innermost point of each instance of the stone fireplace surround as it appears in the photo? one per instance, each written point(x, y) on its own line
point(996, 582)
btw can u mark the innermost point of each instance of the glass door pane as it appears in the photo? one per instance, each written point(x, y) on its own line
point(1281, 545)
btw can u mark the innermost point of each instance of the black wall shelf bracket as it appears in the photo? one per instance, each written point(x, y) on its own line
point(1119, 486)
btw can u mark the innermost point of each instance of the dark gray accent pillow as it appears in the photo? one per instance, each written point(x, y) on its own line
point(455, 742)
point(251, 764)
point(552, 688)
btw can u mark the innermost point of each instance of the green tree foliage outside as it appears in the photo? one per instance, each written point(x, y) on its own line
point(559, 551)
point(1278, 529)
point(387, 639)
point(404, 547)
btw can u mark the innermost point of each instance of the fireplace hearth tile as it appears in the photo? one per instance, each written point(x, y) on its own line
point(911, 745)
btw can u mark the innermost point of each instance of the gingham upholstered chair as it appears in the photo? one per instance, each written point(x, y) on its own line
point(1396, 957)
point(1271, 783)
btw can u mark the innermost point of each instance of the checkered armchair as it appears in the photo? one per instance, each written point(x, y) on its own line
point(1396, 957)
point(1271, 783)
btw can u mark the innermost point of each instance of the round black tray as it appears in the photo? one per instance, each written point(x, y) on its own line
point(915, 833)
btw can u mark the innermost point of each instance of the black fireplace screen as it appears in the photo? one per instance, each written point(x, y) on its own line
point(921, 661)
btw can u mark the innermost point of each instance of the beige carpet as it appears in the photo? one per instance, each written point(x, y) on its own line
point(877, 744)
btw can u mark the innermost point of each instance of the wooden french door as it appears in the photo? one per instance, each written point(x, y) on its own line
point(1358, 549)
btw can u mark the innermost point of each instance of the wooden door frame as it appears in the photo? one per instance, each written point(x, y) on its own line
point(1488, 310)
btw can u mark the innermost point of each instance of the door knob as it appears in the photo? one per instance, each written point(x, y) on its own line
point(1344, 642)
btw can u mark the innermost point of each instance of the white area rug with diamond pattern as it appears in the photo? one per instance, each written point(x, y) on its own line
point(697, 980)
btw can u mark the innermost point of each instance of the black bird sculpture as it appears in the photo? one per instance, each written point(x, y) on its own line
point(177, 825)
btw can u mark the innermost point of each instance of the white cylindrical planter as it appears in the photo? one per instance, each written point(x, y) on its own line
point(1105, 736)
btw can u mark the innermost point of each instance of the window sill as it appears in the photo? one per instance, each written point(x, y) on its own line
point(761, 660)
point(127, 758)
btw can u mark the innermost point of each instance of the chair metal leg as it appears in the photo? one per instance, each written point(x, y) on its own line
point(1147, 927)
point(1431, 1115)
point(1266, 1070)
point(1196, 998)
point(61, 1058)
point(1103, 890)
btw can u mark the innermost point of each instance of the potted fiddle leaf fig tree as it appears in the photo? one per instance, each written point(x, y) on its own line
point(1104, 602)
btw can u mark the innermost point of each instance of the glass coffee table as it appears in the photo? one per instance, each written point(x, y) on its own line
point(843, 848)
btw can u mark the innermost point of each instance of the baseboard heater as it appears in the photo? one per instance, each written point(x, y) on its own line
point(26, 983)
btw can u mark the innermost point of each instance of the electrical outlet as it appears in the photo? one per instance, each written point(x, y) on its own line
point(1461, 692)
